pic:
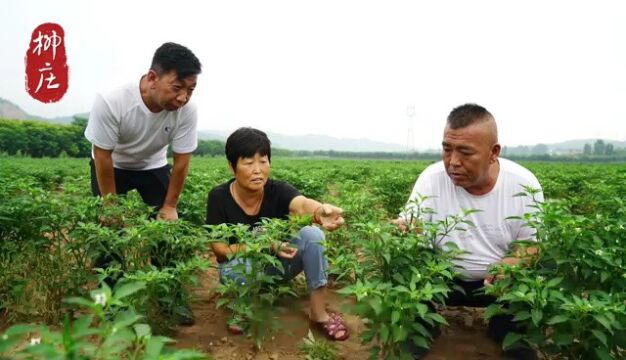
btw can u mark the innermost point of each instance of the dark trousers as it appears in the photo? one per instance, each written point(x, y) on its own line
point(499, 325)
point(150, 184)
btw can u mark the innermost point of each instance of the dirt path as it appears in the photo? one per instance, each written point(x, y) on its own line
point(465, 338)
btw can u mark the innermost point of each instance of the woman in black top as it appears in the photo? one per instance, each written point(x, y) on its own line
point(250, 196)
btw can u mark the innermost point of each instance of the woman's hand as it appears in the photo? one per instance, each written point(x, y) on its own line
point(284, 250)
point(329, 216)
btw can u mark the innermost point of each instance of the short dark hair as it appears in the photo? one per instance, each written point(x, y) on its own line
point(171, 56)
point(467, 114)
point(245, 142)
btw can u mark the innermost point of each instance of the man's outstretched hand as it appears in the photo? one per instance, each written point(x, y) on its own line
point(167, 213)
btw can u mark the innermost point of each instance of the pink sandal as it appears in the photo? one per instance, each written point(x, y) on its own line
point(235, 325)
point(330, 328)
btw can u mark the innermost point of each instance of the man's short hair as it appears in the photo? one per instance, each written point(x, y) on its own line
point(245, 142)
point(466, 115)
point(171, 56)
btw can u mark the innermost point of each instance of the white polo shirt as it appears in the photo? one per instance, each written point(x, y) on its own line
point(490, 239)
point(121, 121)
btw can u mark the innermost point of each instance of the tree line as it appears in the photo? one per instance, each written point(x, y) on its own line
point(599, 148)
point(43, 139)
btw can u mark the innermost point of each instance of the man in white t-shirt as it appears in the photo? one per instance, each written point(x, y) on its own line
point(130, 129)
point(472, 176)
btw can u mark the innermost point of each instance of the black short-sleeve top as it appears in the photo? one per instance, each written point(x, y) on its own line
point(222, 208)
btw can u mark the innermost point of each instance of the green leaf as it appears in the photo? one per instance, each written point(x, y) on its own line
point(128, 289)
point(536, 315)
point(603, 276)
point(421, 309)
point(421, 329)
point(367, 336)
point(511, 339)
point(384, 333)
point(142, 330)
point(604, 322)
point(43, 351)
point(376, 305)
point(126, 318)
point(600, 336)
point(563, 339)
point(79, 301)
point(10, 343)
point(81, 326)
point(557, 319)
point(398, 278)
point(554, 282)
point(437, 318)
point(603, 354)
point(521, 316)
point(399, 334)
point(420, 341)
point(153, 348)
point(221, 302)
point(395, 316)
point(348, 290)
point(492, 310)
point(22, 329)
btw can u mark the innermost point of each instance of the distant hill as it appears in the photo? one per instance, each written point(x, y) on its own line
point(9, 110)
point(315, 142)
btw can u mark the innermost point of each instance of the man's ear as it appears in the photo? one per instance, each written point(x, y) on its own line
point(152, 76)
point(495, 152)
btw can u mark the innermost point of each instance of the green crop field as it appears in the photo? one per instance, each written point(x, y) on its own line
point(571, 297)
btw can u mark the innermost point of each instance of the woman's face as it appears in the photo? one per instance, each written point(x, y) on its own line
point(252, 173)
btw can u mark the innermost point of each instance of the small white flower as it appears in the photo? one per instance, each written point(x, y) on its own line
point(599, 252)
point(100, 299)
point(35, 341)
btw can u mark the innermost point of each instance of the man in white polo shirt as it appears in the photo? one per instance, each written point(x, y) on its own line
point(131, 127)
point(472, 176)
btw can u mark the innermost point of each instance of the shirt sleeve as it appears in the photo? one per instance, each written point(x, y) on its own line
point(286, 193)
point(215, 213)
point(103, 126)
point(185, 139)
point(414, 208)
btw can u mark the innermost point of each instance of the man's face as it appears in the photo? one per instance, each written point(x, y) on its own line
point(468, 153)
point(252, 173)
point(171, 93)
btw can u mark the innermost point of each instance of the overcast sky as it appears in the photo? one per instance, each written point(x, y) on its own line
point(548, 70)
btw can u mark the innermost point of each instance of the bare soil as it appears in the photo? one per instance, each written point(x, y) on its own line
point(465, 338)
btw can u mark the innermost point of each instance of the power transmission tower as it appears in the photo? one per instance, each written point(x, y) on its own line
point(410, 132)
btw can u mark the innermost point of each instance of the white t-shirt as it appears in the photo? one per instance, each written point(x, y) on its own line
point(121, 121)
point(489, 241)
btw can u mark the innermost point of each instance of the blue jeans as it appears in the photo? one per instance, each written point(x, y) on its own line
point(309, 258)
